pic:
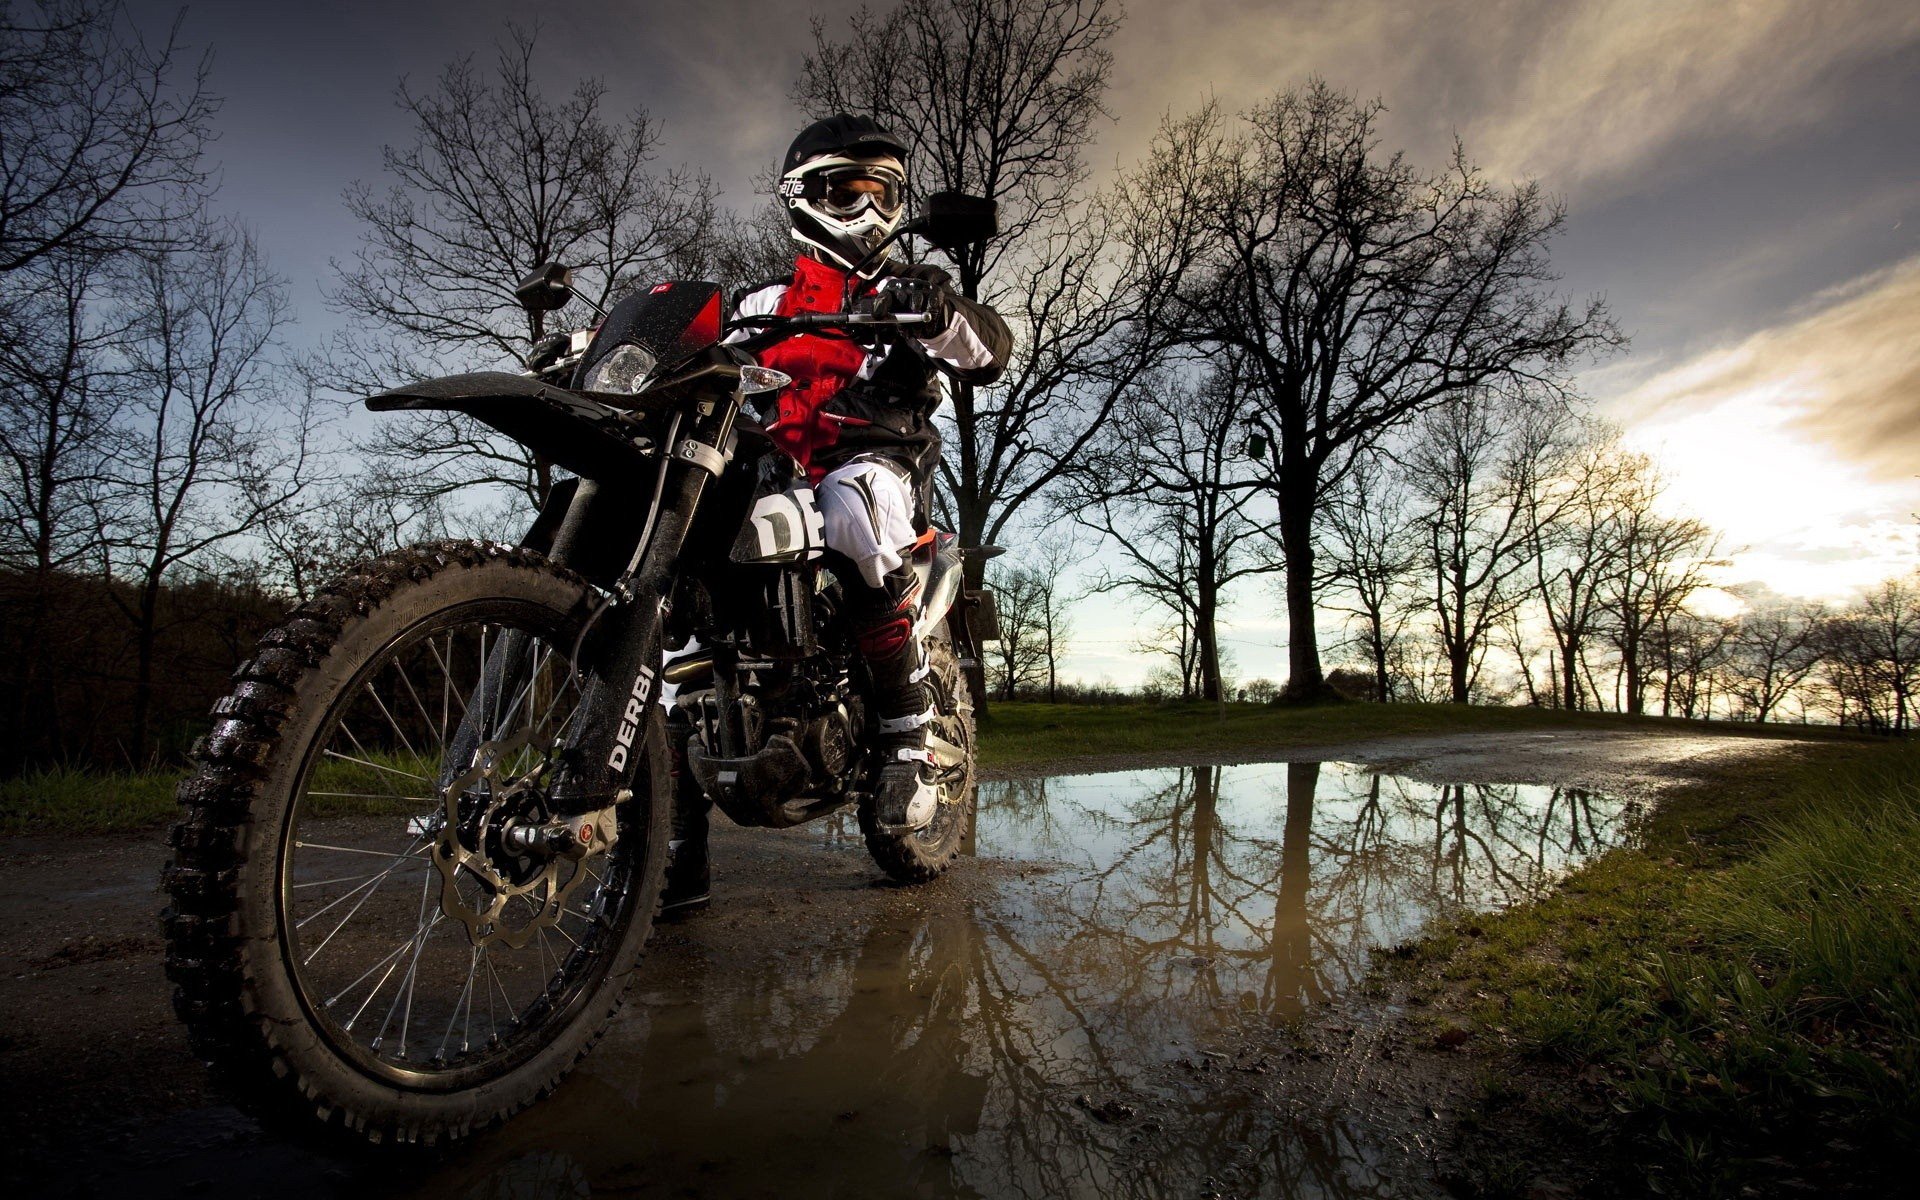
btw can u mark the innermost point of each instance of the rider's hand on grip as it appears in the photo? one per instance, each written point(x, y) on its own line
point(918, 288)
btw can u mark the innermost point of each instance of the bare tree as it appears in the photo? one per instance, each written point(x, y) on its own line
point(1871, 657)
point(100, 152)
point(1167, 486)
point(1000, 98)
point(1370, 552)
point(1575, 545)
point(1691, 651)
point(498, 180)
point(1018, 661)
point(1773, 649)
point(1471, 464)
point(203, 461)
point(59, 402)
point(1360, 291)
point(1661, 561)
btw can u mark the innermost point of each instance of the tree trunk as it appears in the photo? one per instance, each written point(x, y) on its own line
point(1381, 692)
point(1205, 633)
point(971, 516)
point(148, 617)
point(1306, 682)
point(1636, 701)
point(1291, 982)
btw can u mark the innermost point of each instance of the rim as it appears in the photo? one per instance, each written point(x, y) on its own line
point(373, 919)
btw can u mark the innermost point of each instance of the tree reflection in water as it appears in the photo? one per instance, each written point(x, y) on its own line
point(986, 1047)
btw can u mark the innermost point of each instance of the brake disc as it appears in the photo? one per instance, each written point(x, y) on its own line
point(543, 892)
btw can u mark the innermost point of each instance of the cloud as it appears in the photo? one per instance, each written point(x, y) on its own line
point(1801, 441)
point(1576, 93)
point(1844, 372)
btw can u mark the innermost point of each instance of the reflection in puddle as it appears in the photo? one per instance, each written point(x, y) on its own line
point(1016, 1043)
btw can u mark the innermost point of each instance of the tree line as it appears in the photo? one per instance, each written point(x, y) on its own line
point(1271, 353)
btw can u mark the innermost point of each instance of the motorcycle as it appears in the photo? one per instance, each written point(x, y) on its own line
point(425, 839)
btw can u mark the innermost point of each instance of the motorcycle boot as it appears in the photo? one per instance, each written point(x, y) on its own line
point(907, 795)
point(689, 875)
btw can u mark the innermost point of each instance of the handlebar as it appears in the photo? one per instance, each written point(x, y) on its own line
point(819, 320)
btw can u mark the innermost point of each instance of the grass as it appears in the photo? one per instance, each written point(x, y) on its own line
point(65, 800)
point(1013, 736)
point(1744, 988)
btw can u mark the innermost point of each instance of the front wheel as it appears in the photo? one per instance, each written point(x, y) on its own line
point(924, 854)
point(365, 926)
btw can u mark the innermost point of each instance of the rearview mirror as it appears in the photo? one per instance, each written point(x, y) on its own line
point(547, 289)
point(953, 221)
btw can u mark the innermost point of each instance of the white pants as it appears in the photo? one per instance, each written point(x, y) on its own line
point(869, 514)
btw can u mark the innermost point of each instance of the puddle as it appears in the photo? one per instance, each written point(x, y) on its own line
point(1048, 1032)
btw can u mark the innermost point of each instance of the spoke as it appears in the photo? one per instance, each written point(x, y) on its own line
point(376, 766)
point(484, 684)
point(419, 936)
point(388, 714)
point(409, 852)
point(371, 886)
point(401, 668)
point(413, 970)
point(375, 796)
point(466, 1001)
point(342, 879)
point(446, 686)
point(504, 998)
point(390, 955)
point(523, 695)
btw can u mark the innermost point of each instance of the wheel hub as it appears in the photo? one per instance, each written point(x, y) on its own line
point(495, 829)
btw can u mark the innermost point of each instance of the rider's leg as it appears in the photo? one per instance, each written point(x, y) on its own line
point(868, 507)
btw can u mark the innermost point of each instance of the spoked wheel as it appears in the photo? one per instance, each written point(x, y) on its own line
point(926, 853)
point(378, 917)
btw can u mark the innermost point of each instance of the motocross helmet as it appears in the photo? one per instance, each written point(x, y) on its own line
point(844, 188)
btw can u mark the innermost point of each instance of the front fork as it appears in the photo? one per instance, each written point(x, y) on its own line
point(621, 725)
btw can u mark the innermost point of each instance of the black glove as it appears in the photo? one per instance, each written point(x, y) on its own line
point(918, 288)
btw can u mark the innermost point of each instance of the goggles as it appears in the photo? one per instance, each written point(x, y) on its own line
point(848, 190)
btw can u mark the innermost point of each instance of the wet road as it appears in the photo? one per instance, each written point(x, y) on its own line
point(1028, 1039)
point(1098, 1004)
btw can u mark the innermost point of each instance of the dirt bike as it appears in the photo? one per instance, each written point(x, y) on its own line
point(425, 839)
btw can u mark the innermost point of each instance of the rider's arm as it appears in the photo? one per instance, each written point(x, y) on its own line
point(760, 300)
point(975, 345)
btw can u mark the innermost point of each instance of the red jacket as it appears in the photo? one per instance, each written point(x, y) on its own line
point(855, 397)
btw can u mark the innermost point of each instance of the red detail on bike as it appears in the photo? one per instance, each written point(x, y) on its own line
point(705, 329)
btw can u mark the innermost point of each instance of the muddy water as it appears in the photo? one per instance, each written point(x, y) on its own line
point(1045, 1023)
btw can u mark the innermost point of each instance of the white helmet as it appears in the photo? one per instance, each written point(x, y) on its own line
point(844, 189)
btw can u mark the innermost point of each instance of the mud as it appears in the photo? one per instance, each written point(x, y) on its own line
point(1145, 984)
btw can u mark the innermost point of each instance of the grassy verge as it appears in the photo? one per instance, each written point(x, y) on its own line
point(1020, 736)
point(1744, 990)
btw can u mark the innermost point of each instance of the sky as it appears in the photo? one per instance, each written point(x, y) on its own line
point(1742, 179)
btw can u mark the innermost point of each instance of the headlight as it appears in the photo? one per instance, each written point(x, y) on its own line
point(624, 371)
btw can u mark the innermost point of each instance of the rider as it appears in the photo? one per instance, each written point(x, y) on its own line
point(859, 417)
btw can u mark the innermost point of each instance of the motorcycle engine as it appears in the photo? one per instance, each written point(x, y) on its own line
point(830, 746)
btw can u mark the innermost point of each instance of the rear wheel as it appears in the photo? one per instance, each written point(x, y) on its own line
point(925, 853)
point(365, 926)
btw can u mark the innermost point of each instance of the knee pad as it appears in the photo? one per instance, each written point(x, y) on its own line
point(887, 638)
